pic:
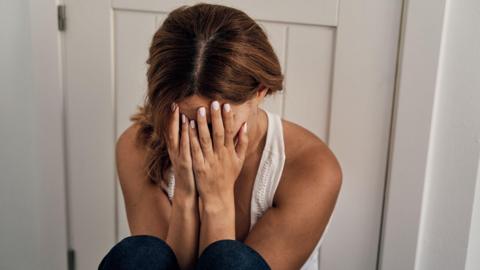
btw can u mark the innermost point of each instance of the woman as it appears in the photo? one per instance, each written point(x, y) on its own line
point(211, 180)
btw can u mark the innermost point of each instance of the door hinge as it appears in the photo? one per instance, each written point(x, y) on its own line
point(61, 17)
point(71, 259)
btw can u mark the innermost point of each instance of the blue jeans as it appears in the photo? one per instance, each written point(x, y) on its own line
point(146, 252)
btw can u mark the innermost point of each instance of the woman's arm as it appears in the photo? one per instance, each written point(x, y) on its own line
point(218, 221)
point(182, 233)
point(183, 228)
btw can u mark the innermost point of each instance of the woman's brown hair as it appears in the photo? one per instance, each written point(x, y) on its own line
point(212, 51)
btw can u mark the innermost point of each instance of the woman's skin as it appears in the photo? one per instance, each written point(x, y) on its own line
point(286, 233)
point(216, 158)
point(216, 164)
point(182, 232)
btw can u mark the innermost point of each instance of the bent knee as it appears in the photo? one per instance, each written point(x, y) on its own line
point(139, 252)
point(231, 254)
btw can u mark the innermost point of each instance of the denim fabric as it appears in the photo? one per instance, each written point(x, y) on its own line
point(145, 252)
point(230, 254)
point(142, 252)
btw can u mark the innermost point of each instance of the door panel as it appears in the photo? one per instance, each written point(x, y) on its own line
point(316, 12)
point(339, 62)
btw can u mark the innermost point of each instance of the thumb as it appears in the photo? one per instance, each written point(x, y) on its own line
point(242, 144)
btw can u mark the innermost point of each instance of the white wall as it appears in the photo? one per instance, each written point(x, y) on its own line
point(473, 251)
point(32, 198)
point(449, 234)
point(432, 211)
point(19, 239)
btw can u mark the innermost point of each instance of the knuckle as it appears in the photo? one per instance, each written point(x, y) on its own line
point(201, 172)
point(193, 149)
point(204, 140)
point(229, 131)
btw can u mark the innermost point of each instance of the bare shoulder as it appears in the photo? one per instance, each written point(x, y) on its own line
point(129, 156)
point(303, 201)
point(309, 162)
point(126, 140)
point(147, 206)
point(130, 161)
point(303, 146)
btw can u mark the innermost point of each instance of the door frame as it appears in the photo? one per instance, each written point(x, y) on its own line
point(421, 41)
point(46, 42)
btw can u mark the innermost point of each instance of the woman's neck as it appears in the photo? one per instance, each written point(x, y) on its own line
point(257, 133)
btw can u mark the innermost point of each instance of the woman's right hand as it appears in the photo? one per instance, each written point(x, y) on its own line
point(178, 146)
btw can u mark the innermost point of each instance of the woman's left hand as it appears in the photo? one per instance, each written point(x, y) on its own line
point(216, 165)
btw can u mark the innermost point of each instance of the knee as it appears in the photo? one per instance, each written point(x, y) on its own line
point(139, 252)
point(231, 254)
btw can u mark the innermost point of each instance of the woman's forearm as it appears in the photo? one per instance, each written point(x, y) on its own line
point(217, 221)
point(183, 229)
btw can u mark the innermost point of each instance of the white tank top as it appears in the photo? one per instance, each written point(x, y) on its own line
point(266, 181)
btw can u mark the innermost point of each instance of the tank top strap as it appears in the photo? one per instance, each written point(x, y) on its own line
point(276, 160)
point(170, 187)
point(270, 168)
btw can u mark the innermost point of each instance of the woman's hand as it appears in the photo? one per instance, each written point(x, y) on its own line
point(217, 164)
point(178, 146)
point(184, 223)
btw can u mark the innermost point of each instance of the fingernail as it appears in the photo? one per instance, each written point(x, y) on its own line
point(183, 118)
point(202, 111)
point(173, 106)
point(226, 107)
point(215, 105)
point(245, 129)
point(192, 123)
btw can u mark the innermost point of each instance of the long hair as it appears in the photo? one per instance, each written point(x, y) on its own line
point(213, 51)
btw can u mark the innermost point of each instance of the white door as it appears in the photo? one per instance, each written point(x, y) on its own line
point(339, 58)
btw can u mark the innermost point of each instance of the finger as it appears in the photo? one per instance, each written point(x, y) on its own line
point(242, 144)
point(173, 130)
point(228, 124)
point(185, 140)
point(217, 126)
point(196, 150)
point(204, 133)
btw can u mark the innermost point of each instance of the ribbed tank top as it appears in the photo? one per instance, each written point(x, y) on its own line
point(266, 180)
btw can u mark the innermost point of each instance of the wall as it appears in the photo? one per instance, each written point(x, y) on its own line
point(451, 207)
point(18, 167)
point(32, 192)
point(432, 206)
